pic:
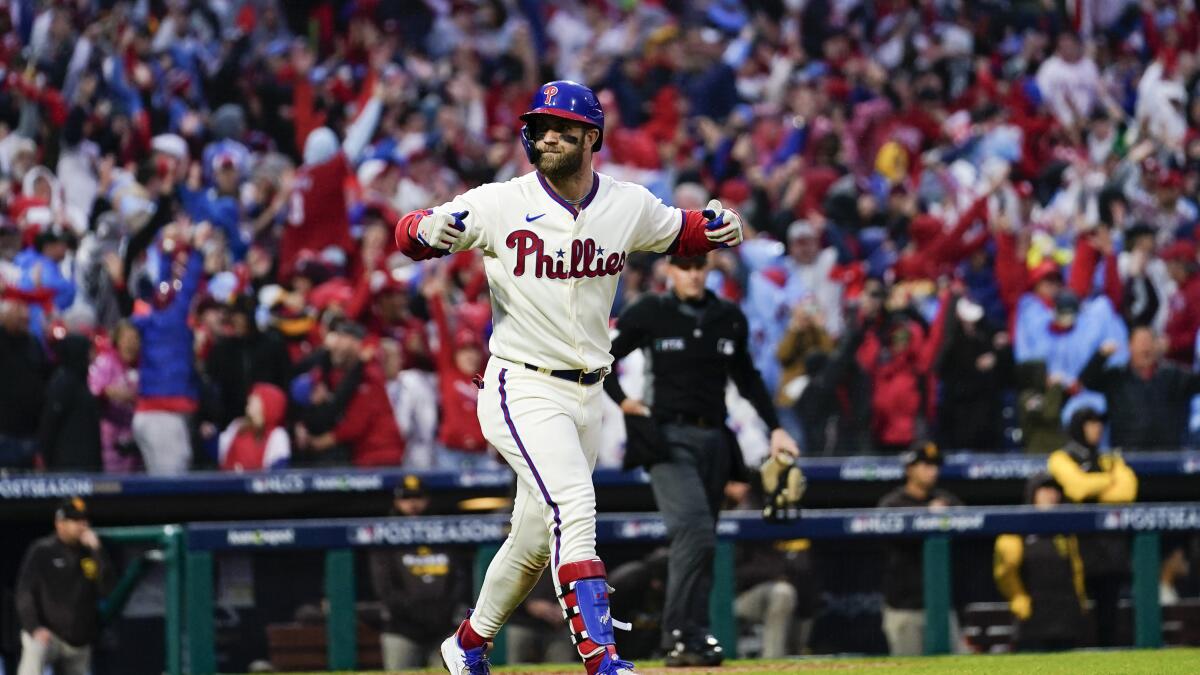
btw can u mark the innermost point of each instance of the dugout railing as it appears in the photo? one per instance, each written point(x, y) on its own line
point(166, 546)
point(339, 538)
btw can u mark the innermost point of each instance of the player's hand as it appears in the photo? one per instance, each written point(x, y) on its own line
point(42, 635)
point(1108, 348)
point(783, 444)
point(441, 230)
point(1021, 606)
point(724, 226)
point(89, 539)
point(632, 406)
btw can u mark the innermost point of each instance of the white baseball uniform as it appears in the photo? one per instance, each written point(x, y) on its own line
point(552, 269)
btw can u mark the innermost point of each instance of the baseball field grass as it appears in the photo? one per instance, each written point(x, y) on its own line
point(1150, 662)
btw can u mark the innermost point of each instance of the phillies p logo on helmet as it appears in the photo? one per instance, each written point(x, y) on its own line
point(568, 100)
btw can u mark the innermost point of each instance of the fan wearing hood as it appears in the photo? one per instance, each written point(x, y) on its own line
point(1042, 578)
point(257, 440)
point(1084, 473)
point(70, 428)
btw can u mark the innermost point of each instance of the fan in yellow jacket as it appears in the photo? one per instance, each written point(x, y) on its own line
point(1089, 476)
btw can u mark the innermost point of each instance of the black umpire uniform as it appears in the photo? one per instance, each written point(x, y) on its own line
point(693, 348)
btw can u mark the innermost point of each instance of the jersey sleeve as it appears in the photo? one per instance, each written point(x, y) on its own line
point(478, 203)
point(658, 227)
point(666, 229)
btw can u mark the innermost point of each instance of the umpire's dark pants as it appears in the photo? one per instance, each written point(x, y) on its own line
point(688, 489)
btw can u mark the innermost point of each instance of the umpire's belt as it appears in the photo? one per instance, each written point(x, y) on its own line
point(577, 376)
point(690, 420)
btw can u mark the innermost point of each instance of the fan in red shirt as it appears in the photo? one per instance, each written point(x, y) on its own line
point(386, 313)
point(1183, 319)
point(459, 359)
point(318, 216)
point(368, 426)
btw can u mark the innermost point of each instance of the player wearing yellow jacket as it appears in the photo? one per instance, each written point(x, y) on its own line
point(1042, 577)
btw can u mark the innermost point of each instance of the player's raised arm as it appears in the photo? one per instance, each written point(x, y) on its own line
point(687, 232)
point(449, 228)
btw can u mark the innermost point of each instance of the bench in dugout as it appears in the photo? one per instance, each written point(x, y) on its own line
point(989, 628)
point(303, 645)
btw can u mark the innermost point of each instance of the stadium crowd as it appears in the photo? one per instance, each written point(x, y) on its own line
point(969, 220)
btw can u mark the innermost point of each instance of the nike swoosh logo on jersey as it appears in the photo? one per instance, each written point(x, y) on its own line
point(529, 219)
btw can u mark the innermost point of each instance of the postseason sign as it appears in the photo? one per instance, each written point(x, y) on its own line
point(979, 521)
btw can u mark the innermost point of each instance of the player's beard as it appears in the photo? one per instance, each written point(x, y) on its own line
point(560, 164)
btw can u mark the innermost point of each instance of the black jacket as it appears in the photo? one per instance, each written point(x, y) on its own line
point(971, 398)
point(1149, 414)
point(904, 573)
point(819, 401)
point(694, 348)
point(237, 363)
point(421, 587)
point(70, 429)
point(59, 588)
point(23, 386)
point(788, 560)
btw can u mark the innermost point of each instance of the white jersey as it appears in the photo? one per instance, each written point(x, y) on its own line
point(552, 268)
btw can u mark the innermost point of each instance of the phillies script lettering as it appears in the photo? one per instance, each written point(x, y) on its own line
point(587, 260)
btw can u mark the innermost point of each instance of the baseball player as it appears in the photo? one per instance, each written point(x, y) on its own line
point(555, 242)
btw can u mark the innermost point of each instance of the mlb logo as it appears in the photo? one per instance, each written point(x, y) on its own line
point(725, 346)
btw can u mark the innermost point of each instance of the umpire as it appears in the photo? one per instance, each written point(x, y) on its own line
point(695, 342)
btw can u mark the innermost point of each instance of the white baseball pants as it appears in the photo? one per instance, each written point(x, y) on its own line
point(548, 430)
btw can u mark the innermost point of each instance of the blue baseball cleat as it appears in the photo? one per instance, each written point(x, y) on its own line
point(614, 665)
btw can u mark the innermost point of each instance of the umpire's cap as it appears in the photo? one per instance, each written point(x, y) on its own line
point(72, 508)
point(922, 451)
point(410, 487)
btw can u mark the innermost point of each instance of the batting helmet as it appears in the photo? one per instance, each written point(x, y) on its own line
point(568, 100)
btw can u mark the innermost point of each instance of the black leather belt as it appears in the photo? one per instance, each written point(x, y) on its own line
point(689, 420)
point(577, 376)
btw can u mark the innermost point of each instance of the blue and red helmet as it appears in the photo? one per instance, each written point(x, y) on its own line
point(568, 100)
